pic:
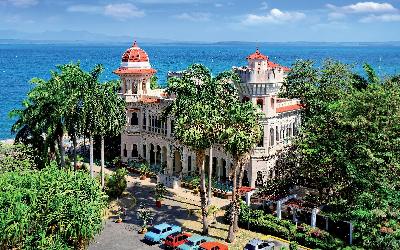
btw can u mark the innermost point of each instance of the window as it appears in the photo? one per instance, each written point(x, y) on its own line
point(261, 142)
point(172, 126)
point(260, 103)
point(189, 163)
point(144, 121)
point(144, 151)
point(134, 150)
point(277, 134)
point(134, 119)
point(245, 99)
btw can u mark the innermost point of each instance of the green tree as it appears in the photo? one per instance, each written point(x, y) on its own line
point(241, 135)
point(349, 148)
point(113, 119)
point(154, 82)
point(198, 112)
point(49, 209)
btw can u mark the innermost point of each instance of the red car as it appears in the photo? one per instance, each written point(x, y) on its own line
point(175, 240)
point(213, 246)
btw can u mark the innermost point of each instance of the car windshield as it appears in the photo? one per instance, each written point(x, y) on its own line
point(249, 247)
point(155, 230)
point(190, 243)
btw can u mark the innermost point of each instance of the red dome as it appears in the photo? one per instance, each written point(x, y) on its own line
point(257, 56)
point(135, 54)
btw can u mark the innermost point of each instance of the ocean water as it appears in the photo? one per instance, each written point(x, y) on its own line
point(20, 63)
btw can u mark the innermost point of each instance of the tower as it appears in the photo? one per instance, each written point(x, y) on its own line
point(135, 72)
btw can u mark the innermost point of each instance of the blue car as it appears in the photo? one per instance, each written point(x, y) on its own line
point(160, 232)
point(194, 242)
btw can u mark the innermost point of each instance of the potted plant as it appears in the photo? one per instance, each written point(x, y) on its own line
point(145, 215)
point(121, 211)
point(160, 190)
point(196, 190)
point(144, 169)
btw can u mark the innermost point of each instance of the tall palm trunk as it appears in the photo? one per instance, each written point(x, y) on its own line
point(60, 140)
point(231, 231)
point(91, 155)
point(200, 165)
point(74, 143)
point(102, 161)
point(239, 185)
point(210, 177)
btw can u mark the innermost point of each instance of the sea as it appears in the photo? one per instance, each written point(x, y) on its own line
point(21, 62)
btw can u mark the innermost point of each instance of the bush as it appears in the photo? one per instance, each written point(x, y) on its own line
point(258, 221)
point(116, 183)
point(49, 209)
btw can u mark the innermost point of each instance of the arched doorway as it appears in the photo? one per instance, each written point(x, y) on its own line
point(177, 163)
point(152, 155)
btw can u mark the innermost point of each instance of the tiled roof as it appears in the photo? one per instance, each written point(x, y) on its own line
point(288, 108)
point(135, 54)
point(257, 56)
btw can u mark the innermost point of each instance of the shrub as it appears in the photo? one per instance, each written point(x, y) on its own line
point(49, 209)
point(116, 183)
point(258, 221)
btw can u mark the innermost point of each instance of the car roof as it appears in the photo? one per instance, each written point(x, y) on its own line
point(162, 226)
point(197, 237)
point(213, 244)
point(255, 242)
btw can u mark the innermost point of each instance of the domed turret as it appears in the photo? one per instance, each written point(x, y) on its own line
point(135, 71)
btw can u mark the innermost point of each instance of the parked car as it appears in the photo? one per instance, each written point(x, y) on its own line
point(175, 240)
point(194, 242)
point(160, 232)
point(257, 244)
point(213, 246)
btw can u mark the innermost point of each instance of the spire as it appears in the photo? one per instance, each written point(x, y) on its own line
point(134, 44)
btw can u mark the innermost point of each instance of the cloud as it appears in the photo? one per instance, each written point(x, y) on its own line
point(123, 11)
point(274, 16)
point(194, 16)
point(264, 6)
point(21, 3)
point(120, 11)
point(363, 7)
point(218, 5)
point(381, 18)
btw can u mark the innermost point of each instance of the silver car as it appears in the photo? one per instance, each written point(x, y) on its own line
point(257, 244)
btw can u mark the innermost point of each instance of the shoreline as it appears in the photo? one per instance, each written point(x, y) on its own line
point(7, 141)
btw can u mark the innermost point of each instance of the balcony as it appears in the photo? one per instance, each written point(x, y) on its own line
point(130, 97)
point(132, 129)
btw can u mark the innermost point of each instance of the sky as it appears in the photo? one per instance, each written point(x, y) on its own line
point(211, 20)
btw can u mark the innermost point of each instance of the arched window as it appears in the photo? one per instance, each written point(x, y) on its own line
point(144, 151)
point(134, 151)
point(144, 121)
point(272, 137)
point(134, 119)
point(260, 103)
point(189, 163)
point(261, 142)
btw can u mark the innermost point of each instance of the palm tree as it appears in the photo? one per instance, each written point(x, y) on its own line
point(199, 110)
point(115, 120)
point(241, 135)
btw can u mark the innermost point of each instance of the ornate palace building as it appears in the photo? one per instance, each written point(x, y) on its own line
point(147, 136)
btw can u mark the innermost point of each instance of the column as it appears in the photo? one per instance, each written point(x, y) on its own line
point(279, 209)
point(148, 153)
point(314, 217)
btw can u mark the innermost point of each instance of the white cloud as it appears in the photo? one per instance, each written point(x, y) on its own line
point(120, 11)
point(363, 7)
point(85, 8)
point(123, 11)
point(264, 6)
point(218, 5)
point(274, 16)
point(21, 3)
point(381, 18)
point(194, 16)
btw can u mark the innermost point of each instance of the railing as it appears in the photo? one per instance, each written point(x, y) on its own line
point(130, 97)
